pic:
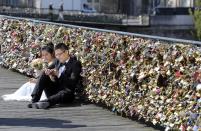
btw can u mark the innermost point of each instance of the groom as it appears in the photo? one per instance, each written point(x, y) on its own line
point(59, 81)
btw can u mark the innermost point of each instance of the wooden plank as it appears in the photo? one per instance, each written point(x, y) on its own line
point(16, 116)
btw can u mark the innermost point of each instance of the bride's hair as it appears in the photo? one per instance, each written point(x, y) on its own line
point(49, 48)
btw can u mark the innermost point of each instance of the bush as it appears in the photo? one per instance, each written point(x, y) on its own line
point(197, 18)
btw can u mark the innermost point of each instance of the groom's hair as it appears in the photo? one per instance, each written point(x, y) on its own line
point(61, 46)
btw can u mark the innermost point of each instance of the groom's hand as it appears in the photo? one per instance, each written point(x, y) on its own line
point(55, 72)
point(52, 72)
point(47, 72)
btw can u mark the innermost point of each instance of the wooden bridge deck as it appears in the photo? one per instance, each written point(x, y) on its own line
point(16, 116)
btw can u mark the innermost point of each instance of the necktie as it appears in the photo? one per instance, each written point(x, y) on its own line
point(61, 64)
point(61, 68)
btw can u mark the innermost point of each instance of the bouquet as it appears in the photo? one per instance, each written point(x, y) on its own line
point(37, 64)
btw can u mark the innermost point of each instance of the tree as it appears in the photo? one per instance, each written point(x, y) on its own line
point(197, 18)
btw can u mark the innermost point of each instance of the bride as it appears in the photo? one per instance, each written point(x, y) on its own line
point(24, 92)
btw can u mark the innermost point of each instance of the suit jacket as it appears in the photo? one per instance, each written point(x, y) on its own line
point(70, 76)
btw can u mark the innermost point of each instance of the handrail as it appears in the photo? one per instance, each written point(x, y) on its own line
point(157, 38)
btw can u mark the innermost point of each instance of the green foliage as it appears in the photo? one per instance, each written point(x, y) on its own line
point(197, 18)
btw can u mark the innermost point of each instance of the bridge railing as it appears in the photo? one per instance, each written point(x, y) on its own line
point(149, 77)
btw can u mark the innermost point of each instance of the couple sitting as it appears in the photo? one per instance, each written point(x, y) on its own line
point(58, 81)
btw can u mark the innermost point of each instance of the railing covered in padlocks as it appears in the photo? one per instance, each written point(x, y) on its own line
point(152, 78)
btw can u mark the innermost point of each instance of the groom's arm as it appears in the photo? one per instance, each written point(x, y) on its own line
point(52, 73)
point(52, 70)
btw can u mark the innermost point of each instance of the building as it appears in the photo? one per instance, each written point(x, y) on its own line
point(175, 3)
point(138, 12)
point(17, 3)
point(44, 4)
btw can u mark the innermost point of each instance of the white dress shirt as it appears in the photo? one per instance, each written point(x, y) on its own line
point(62, 69)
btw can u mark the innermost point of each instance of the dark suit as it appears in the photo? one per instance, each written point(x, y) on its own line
point(63, 89)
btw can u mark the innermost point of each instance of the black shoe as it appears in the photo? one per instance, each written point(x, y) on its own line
point(41, 105)
point(30, 105)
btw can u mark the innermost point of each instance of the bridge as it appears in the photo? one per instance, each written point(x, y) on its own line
point(15, 116)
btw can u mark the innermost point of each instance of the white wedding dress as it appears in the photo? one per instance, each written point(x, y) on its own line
point(23, 93)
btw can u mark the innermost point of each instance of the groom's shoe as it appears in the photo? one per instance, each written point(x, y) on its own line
point(41, 105)
point(33, 101)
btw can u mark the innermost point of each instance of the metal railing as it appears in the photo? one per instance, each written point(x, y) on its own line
point(157, 38)
point(54, 11)
point(73, 15)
